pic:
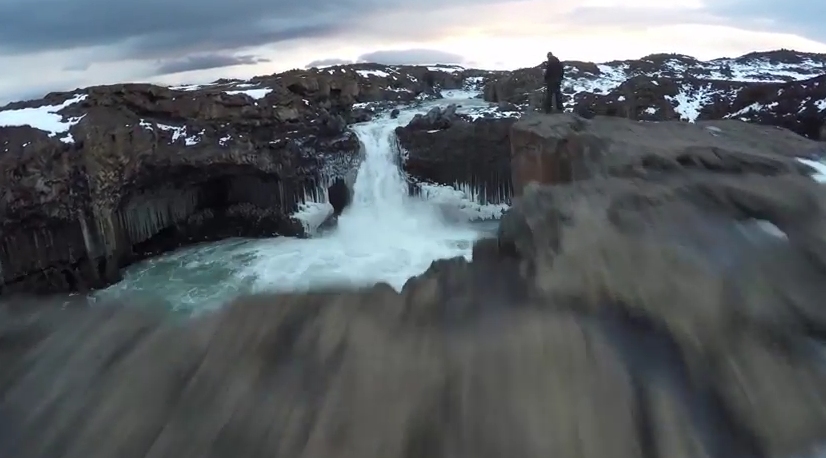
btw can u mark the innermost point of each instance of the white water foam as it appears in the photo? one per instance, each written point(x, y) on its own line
point(385, 235)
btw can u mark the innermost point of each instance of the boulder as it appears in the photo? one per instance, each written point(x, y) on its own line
point(339, 195)
point(436, 119)
point(560, 148)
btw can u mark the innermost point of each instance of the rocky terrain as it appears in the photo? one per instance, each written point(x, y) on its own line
point(655, 291)
point(779, 88)
point(96, 178)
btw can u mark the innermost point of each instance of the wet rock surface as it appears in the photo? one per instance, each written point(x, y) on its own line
point(612, 317)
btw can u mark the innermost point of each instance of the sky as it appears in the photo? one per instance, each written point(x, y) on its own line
point(51, 45)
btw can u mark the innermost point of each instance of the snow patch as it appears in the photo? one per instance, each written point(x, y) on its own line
point(369, 73)
point(178, 132)
point(689, 105)
point(753, 108)
point(190, 87)
point(770, 228)
point(255, 94)
point(820, 169)
point(446, 68)
point(762, 70)
point(45, 118)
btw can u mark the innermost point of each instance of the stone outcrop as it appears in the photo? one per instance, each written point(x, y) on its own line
point(565, 147)
point(455, 151)
point(499, 156)
point(615, 317)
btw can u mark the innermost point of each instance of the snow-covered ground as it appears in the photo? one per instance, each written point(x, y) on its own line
point(46, 118)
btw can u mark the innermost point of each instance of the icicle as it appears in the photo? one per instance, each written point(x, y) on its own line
point(92, 250)
point(106, 229)
point(6, 266)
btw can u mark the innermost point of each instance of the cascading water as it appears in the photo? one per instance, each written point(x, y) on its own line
point(382, 208)
point(384, 236)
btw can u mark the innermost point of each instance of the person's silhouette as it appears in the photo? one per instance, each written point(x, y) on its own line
point(554, 73)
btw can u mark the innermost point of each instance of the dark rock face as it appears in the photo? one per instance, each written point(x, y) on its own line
point(145, 169)
point(621, 317)
point(800, 106)
point(452, 151)
point(500, 156)
point(339, 196)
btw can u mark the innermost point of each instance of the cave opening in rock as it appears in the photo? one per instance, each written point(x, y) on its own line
point(298, 89)
point(186, 205)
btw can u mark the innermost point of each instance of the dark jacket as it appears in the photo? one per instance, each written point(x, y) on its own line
point(554, 71)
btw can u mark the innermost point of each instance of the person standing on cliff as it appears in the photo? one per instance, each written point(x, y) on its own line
point(554, 73)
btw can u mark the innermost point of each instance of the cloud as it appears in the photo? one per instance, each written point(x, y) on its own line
point(420, 56)
point(637, 17)
point(206, 61)
point(62, 44)
point(801, 17)
point(77, 66)
point(329, 62)
point(174, 28)
point(411, 57)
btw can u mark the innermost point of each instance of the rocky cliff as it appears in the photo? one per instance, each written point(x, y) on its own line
point(646, 314)
point(780, 88)
point(96, 178)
